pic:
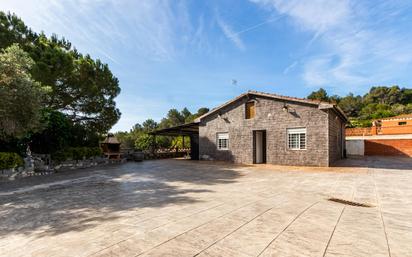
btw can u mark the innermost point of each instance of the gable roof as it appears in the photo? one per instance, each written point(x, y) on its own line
point(111, 139)
point(319, 104)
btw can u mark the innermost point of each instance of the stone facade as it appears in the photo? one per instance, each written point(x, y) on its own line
point(336, 137)
point(323, 132)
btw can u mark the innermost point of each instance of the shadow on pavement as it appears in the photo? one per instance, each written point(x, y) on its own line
point(377, 162)
point(73, 204)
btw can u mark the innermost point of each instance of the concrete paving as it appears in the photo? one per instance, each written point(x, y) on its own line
point(187, 208)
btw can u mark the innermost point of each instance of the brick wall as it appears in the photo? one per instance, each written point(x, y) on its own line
point(397, 147)
point(269, 117)
point(358, 132)
point(388, 128)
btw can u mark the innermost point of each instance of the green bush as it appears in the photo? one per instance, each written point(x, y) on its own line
point(61, 155)
point(93, 151)
point(77, 153)
point(10, 160)
point(354, 123)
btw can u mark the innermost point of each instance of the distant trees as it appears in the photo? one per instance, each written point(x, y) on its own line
point(174, 117)
point(379, 102)
point(139, 138)
point(351, 104)
point(320, 95)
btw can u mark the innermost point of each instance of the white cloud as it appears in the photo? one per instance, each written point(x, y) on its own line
point(152, 26)
point(315, 15)
point(230, 34)
point(290, 67)
point(356, 48)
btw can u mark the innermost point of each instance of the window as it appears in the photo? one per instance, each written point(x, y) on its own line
point(296, 138)
point(402, 123)
point(250, 110)
point(222, 141)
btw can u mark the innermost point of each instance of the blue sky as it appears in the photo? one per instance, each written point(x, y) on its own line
point(185, 53)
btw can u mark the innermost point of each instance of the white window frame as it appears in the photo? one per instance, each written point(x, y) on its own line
point(296, 134)
point(222, 137)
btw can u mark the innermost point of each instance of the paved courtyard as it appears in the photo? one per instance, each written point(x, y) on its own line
point(185, 208)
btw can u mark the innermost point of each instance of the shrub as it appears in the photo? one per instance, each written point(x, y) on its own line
point(77, 153)
point(10, 160)
point(93, 152)
point(355, 123)
point(61, 155)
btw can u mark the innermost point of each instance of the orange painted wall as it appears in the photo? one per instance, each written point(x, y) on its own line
point(395, 123)
point(392, 127)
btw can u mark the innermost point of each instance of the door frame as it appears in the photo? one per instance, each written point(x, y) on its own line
point(263, 145)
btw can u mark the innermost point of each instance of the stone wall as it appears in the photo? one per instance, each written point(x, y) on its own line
point(269, 117)
point(336, 137)
point(22, 172)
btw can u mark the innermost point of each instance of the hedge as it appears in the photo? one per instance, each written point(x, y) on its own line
point(10, 160)
point(77, 153)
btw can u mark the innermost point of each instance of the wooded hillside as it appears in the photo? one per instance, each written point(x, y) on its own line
point(379, 102)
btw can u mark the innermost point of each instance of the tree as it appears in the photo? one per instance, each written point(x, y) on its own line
point(379, 102)
point(186, 114)
point(202, 111)
point(189, 117)
point(335, 99)
point(81, 87)
point(126, 139)
point(92, 103)
point(407, 95)
point(375, 111)
point(351, 105)
point(139, 138)
point(13, 30)
point(173, 118)
point(22, 98)
point(149, 125)
point(55, 136)
point(320, 95)
point(384, 95)
point(145, 142)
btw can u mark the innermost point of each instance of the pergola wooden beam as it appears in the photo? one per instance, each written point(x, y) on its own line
point(181, 130)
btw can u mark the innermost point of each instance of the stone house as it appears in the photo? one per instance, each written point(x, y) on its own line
point(259, 127)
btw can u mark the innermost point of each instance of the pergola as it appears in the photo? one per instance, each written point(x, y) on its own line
point(189, 129)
